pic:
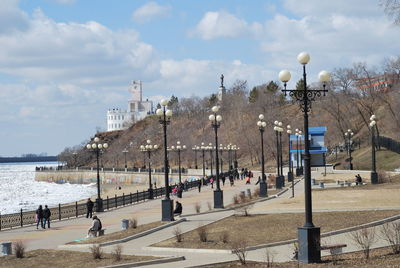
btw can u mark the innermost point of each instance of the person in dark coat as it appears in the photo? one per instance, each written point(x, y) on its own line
point(39, 217)
point(89, 208)
point(178, 208)
point(199, 185)
point(46, 216)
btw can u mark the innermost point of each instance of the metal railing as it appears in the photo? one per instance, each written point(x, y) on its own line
point(24, 218)
point(134, 170)
point(388, 143)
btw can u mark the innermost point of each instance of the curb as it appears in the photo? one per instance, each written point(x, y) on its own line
point(143, 263)
point(341, 231)
point(123, 240)
point(156, 229)
point(190, 250)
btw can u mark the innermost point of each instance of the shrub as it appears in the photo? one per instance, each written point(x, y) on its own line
point(116, 253)
point(242, 197)
point(133, 223)
point(364, 238)
point(19, 249)
point(224, 237)
point(178, 234)
point(209, 206)
point(239, 248)
point(269, 257)
point(256, 192)
point(197, 207)
point(96, 251)
point(203, 233)
point(243, 210)
point(235, 199)
point(391, 233)
point(383, 177)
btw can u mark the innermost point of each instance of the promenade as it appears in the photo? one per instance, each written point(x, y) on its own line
point(149, 211)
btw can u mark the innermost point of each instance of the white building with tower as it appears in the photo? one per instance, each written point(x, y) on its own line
point(118, 119)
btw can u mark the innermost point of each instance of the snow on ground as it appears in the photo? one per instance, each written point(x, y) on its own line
point(18, 189)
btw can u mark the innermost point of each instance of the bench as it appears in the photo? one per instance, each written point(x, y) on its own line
point(334, 249)
point(101, 232)
point(6, 248)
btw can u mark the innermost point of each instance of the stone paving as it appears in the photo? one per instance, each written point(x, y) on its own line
point(149, 211)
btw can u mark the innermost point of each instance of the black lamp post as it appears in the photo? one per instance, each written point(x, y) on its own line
point(210, 149)
point(298, 172)
point(215, 123)
point(263, 182)
point(179, 148)
point(347, 138)
point(290, 171)
point(279, 183)
point(300, 154)
point(374, 175)
point(308, 235)
point(149, 148)
point(167, 205)
point(221, 150)
point(96, 146)
point(236, 162)
point(125, 151)
point(195, 148)
point(203, 148)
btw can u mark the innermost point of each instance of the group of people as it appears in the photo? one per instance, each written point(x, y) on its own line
point(43, 217)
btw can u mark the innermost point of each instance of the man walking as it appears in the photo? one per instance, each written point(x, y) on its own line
point(89, 208)
point(46, 216)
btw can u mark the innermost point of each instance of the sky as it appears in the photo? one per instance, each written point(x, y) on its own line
point(64, 63)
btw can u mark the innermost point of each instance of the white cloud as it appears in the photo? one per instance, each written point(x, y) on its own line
point(150, 11)
point(222, 24)
point(11, 17)
point(63, 1)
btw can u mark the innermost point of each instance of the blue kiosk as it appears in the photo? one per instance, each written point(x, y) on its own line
point(317, 148)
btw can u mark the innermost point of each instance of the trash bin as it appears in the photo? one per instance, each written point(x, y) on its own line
point(313, 182)
point(321, 184)
point(5, 249)
point(125, 224)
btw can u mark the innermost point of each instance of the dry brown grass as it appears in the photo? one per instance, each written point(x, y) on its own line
point(280, 227)
point(66, 259)
point(379, 258)
point(120, 234)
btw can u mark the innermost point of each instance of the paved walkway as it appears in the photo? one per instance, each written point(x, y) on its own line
point(149, 211)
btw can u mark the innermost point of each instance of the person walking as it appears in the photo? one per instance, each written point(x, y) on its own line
point(199, 185)
point(39, 217)
point(89, 208)
point(46, 216)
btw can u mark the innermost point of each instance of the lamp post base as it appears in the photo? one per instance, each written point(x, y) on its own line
point(309, 244)
point(151, 193)
point(167, 209)
point(374, 177)
point(298, 172)
point(290, 176)
point(280, 182)
point(218, 199)
point(99, 205)
point(263, 189)
point(351, 166)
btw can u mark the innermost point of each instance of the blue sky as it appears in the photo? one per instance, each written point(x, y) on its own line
point(63, 63)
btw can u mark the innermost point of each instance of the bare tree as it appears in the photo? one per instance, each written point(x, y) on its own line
point(364, 238)
point(391, 233)
point(392, 9)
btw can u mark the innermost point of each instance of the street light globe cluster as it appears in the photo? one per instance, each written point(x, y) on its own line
point(261, 123)
point(214, 117)
point(97, 145)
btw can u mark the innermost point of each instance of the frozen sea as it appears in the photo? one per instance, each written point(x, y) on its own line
point(18, 189)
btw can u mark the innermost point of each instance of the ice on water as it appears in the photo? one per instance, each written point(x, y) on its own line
point(18, 189)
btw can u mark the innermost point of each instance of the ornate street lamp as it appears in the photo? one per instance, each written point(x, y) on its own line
point(298, 172)
point(178, 148)
point(149, 148)
point(263, 183)
point(372, 124)
point(167, 205)
point(96, 146)
point(347, 139)
point(300, 154)
point(125, 151)
point(215, 123)
point(280, 179)
point(308, 235)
